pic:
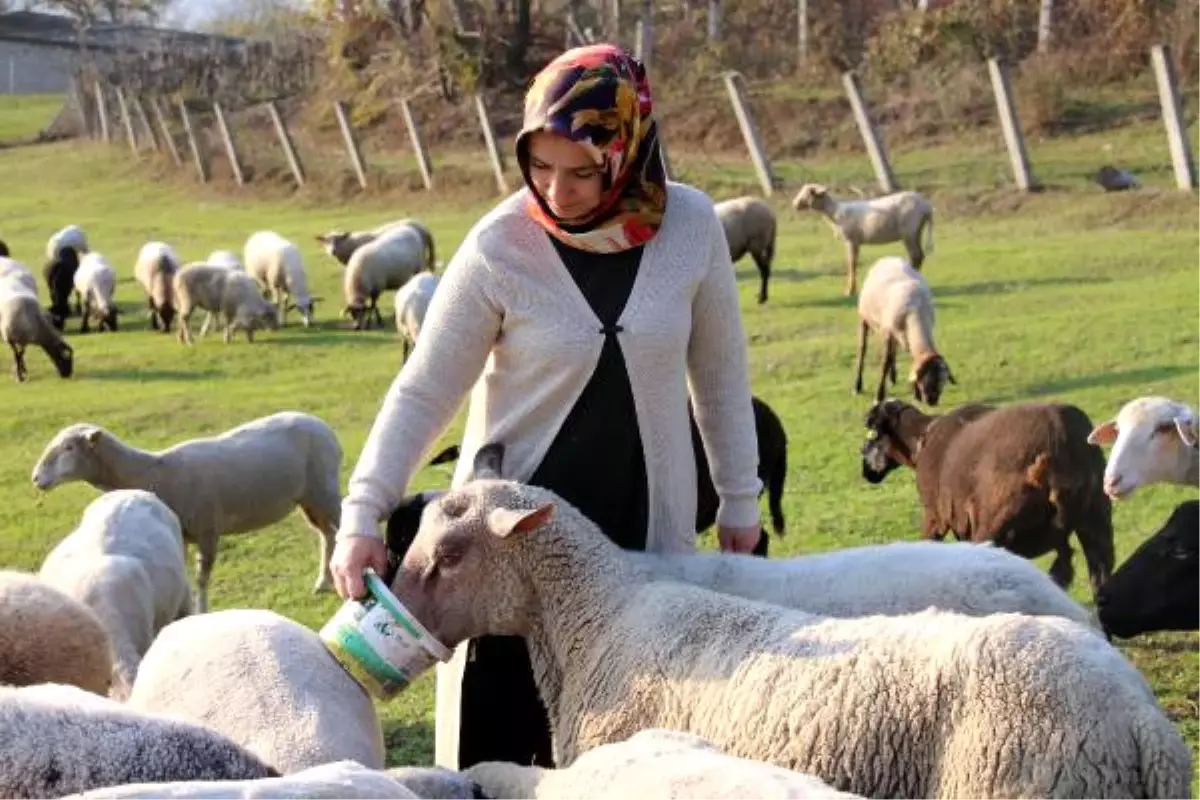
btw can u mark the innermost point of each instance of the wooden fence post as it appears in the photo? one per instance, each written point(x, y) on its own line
point(102, 113)
point(165, 130)
point(144, 121)
point(714, 20)
point(79, 98)
point(1045, 12)
point(1011, 126)
point(285, 141)
point(489, 138)
point(801, 34)
point(735, 85)
point(870, 136)
point(230, 145)
point(356, 159)
point(197, 155)
point(418, 145)
point(126, 121)
point(1172, 115)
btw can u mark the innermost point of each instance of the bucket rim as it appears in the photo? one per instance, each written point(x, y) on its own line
point(401, 613)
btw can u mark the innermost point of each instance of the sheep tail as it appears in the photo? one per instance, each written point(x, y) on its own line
point(1040, 475)
point(775, 491)
point(929, 233)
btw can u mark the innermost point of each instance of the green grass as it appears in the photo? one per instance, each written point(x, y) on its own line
point(1070, 295)
point(23, 116)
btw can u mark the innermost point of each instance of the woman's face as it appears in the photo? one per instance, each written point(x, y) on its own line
point(565, 176)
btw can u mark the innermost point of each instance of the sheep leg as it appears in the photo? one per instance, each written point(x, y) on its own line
point(208, 320)
point(19, 371)
point(862, 354)
point(324, 522)
point(84, 314)
point(1061, 571)
point(916, 256)
point(764, 273)
point(851, 269)
point(1097, 543)
point(153, 313)
point(185, 327)
point(889, 358)
point(206, 556)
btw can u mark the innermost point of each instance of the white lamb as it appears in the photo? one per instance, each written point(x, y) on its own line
point(931, 704)
point(900, 216)
point(749, 225)
point(652, 763)
point(278, 266)
point(267, 683)
point(23, 322)
point(1154, 440)
point(221, 291)
point(96, 282)
point(386, 262)
point(242, 480)
point(125, 562)
point(155, 269)
point(59, 740)
point(71, 236)
point(897, 304)
point(412, 303)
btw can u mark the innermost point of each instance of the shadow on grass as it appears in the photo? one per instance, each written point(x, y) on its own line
point(139, 375)
point(1003, 287)
point(784, 275)
point(1128, 377)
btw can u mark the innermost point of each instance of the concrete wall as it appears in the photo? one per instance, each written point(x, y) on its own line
point(27, 68)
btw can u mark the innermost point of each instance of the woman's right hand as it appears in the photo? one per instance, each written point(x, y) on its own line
point(351, 557)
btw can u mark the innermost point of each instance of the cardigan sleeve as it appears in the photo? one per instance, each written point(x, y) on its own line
point(461, 325)
point(719, 374)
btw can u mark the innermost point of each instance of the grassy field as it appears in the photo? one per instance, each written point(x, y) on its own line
point(22, 117)
point(1069, 295)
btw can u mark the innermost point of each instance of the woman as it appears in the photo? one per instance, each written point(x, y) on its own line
point(580, 308)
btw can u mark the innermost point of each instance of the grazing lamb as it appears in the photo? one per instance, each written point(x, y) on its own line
point(901, 216)
point(242, 480)
point(897, 304)
point(749, 225)
point(59, 274)
point(278, 267)
point(124, 562)
point(1022, 476)
point(95, 282)
point(342, 244)
point(47, 636)
point(71, 236)
point(23, 322)
point(386, 262)
point(225, 292)
point(267, 683)
point(61, 740)
point(155, 270)
point(932, 704)
point(1154, 440)
point(655, 762)
point(412, 303)
point(14, 271)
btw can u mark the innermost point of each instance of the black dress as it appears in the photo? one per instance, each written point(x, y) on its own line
point(503, 718)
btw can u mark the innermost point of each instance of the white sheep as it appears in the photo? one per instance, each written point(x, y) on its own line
point(278, 266)
point(386, 262)
point(897, 304)
point(749, 225)
point(59, 740)
point(125, 561)
point(23, 322)
point(412, 303)
point(225, 292)
point(900, 216)
point(16, 272)
point(655, 762)
point(96, 282)
point(47, 636)
point(1154, 440)
point(154, 270)
point(225, 258)
point(242, 480)
point(267, 683)
point(342, 244)
point(71, 236)
point(932, 704)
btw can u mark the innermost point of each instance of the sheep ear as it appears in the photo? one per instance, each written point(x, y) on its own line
point(504, 522)
point(1104, 433)
point(1186, 425)
point(92, 436)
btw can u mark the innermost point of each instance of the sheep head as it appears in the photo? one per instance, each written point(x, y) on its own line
point(928, 379)
point(1154, 440)
point(339, 244)
point(70, 456)
point(810, 195)
point(462, 576)
point(890, 443)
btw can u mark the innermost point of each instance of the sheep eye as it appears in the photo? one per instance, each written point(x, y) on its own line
point(454, 507)
point(448, 556)
point(1165, 428)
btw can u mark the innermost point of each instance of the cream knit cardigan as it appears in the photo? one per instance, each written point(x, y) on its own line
point(508, 318)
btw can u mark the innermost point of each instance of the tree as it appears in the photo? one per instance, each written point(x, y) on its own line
point(120, 11)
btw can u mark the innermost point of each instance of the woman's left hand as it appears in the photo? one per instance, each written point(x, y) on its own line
point(739, 540)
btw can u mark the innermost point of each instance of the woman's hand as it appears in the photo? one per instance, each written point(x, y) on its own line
point(351, 557)
point(739, 540)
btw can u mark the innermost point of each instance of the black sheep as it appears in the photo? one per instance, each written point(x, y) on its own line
point(59, 273)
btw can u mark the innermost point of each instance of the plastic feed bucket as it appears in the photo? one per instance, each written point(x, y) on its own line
point(379, 642)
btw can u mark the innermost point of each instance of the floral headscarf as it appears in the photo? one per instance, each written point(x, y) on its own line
point(598, 96)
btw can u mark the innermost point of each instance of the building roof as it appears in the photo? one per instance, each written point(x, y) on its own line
point(58, 30)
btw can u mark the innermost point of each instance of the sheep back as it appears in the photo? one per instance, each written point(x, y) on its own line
point(385, 263)
point(749, 225)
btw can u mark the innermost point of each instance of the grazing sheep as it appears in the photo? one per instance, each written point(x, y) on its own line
point(226, 292)
point(1158, 587)
point(71, 236)
point(749, 225)
point(412, 302)
point(386, 262)
point(267, 683)
point(155, 270)
point(1022, 476)
point(95, 282)
point(931, 704)
point(47, 636)
point(59, 274)
point(897, 304)
point(124, 562)
point(14, 271)
point(61, 740)
point(655, 762)
point(225, 258)
point(242, 480)
point(900, 216)
point(23, 322)
point(342, 244)
point(278, 267)
point(1154, 440)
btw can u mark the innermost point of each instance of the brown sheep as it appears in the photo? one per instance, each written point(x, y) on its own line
point(1022, 476)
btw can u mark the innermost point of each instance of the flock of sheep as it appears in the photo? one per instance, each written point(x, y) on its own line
point(911, 669)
